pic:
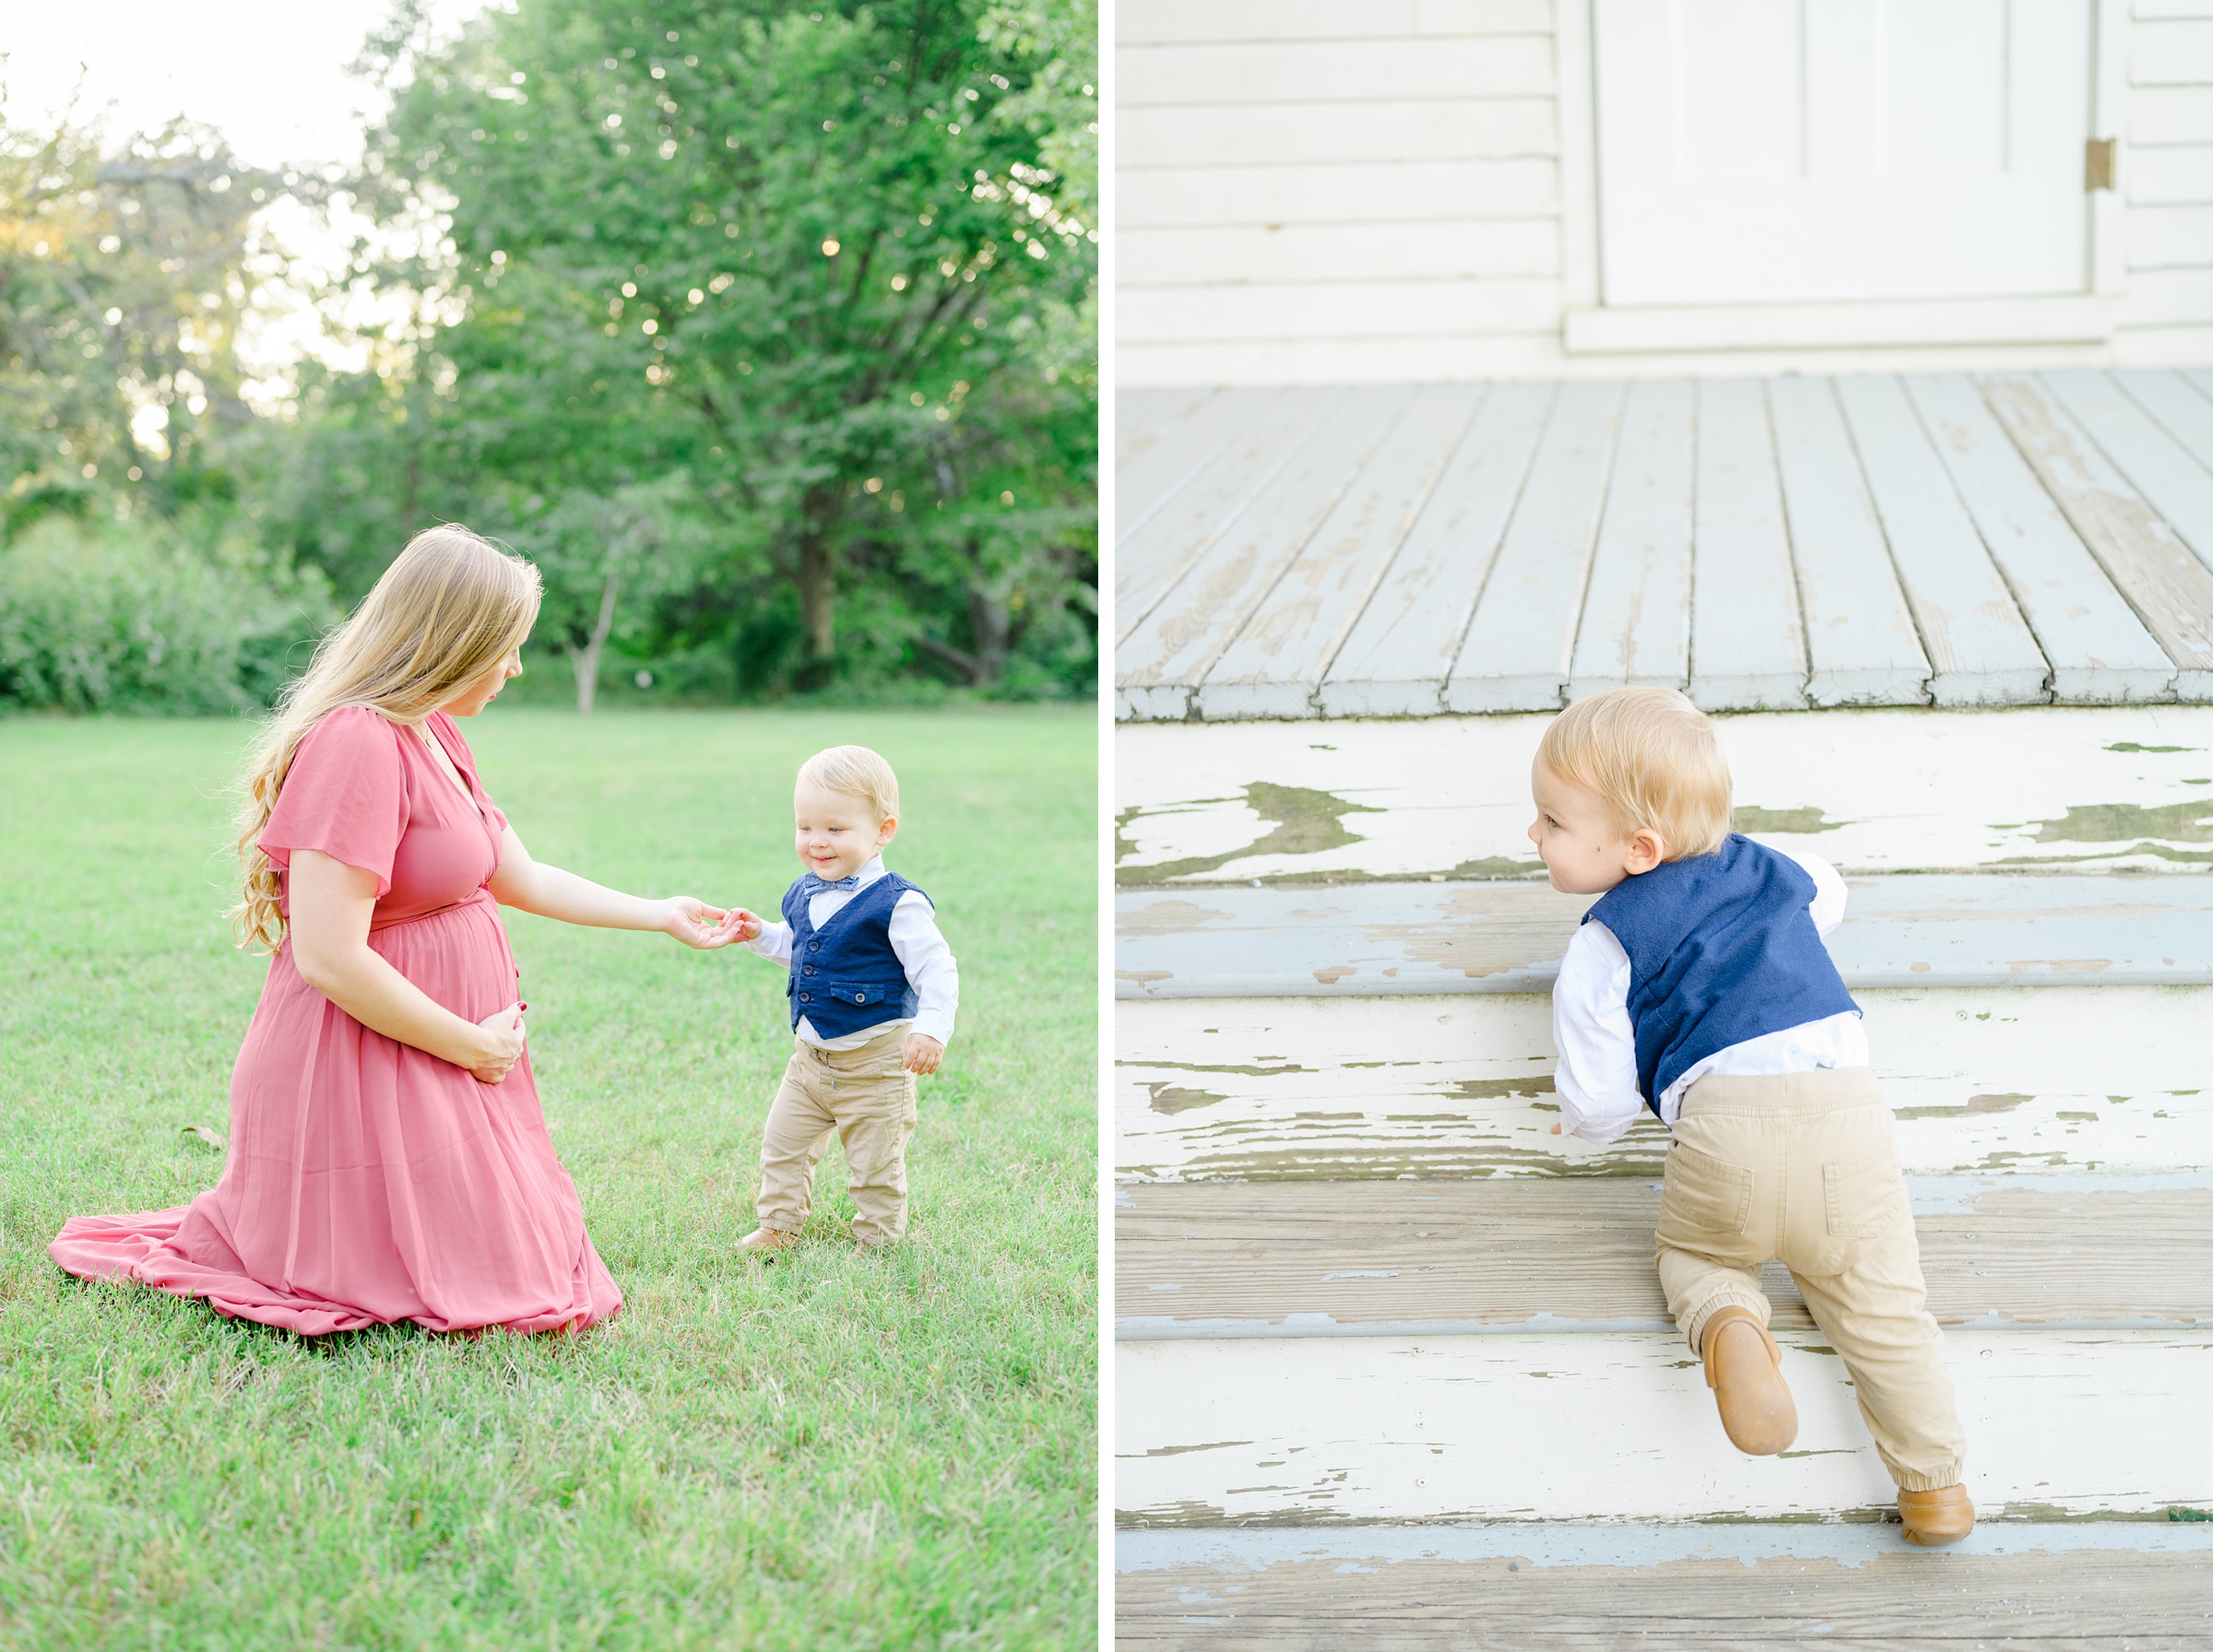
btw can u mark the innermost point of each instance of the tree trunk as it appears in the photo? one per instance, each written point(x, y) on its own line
point(993, 626)
point(586, 659)
point(818, 592)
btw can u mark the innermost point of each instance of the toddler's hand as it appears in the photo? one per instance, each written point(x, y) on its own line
point(1556, 1129)
point(737, 925)
point(923, 1053)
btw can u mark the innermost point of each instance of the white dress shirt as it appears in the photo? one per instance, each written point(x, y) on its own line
point(1596, 1079)
point(922, 952)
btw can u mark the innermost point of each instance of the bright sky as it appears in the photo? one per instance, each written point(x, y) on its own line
point(270, 74)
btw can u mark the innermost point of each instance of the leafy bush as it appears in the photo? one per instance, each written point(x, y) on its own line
point(123, 617)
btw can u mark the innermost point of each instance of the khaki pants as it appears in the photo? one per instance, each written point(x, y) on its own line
point(867, 1098)
point(1801, 1166)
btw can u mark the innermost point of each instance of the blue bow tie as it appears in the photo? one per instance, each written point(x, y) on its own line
point(815, 886)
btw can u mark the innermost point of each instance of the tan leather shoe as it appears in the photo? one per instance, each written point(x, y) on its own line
point(1744, 1369)
point(765, 1242)
point(1935, 1518)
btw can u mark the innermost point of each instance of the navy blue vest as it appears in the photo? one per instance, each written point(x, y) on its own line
point(1721, 948)
point(844, 976)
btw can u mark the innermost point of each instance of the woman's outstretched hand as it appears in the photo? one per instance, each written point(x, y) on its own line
point(502, 1032)
point(695, 923)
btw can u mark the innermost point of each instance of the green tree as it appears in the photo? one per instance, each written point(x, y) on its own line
point(815, 261)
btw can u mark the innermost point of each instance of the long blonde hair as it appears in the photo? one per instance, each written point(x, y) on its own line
point(450, 605)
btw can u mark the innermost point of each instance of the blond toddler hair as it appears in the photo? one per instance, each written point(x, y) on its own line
point(856, 771)
point(1649, 756)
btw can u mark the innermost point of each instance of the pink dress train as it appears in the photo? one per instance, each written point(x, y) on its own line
point(369, 1182)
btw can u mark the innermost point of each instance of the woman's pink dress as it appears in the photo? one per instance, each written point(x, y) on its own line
point(369, 1182)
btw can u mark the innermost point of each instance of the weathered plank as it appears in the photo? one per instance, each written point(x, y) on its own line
point(1516, 654)
point(2171, 590)
point(1998, 1081)
point(1151, 559)
point(2175, 483)
point(1860, 639)
point(1873, 791)
point(2099, 651)
point(1171, 651)
point(1275, 666)
point(1979, 650)
point(1571, 1426)
point(1169, 442)
point(1457, 1259)
point(1748, 648)
point(1586, 1586)
point(1948, 930)
point(1395, 661)
point(1636, 618)
point(2183, 411)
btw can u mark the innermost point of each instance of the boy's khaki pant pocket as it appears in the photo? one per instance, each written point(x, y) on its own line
point(1703, 1198)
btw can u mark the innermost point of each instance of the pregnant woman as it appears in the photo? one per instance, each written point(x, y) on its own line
point(389, 1157)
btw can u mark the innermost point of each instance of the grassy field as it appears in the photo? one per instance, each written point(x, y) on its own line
point(837, 1451)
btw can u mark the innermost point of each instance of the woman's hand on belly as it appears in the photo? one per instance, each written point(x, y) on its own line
point(330, 903)
point(502, 1031)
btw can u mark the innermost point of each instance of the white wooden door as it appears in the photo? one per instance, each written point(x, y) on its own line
point(1777, 150)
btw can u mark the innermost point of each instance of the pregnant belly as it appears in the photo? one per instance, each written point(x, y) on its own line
point(459, 957)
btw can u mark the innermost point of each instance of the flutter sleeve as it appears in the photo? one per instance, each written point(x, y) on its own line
point(345, 795)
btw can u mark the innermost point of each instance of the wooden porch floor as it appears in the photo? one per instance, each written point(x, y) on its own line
point(1762, 544)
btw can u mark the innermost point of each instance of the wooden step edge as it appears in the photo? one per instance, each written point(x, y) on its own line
point(1852, 1539)
point(1400, 939)
point(1228, 1261)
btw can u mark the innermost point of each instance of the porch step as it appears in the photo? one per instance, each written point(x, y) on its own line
point(1392, 939)
point(1595, 1587)
point(1414, 549)
point(2095, 1080)
point(1453, 1258)
point(2053, 789)
point(1569, 1425)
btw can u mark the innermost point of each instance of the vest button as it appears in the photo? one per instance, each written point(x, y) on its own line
point(806, 998)
point(860, 997)
point(808, 969)
point(814, 946)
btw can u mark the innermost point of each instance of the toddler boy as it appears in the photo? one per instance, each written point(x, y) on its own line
point(1698, 986)
point(873, 988)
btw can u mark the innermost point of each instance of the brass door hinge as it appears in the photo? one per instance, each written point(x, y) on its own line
point(2098, 164)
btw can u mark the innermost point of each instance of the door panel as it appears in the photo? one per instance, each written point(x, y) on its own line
point(1793, 150)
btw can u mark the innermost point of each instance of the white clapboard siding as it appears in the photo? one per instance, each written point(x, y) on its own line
point(1861, 644)
point(1980, 651)
point(2177, 51)
point(1887, 790)
point(1207, 138)
point(1660, 1587)
point(2170, 114)
point(2171, 589)
point(2171, 237)
point(1395, 660)
point(1570, 1426)
point(1636, 620)
point(1163, 22)
point(1274, 665)
point(1288, 71)
point(2097, 648)
point(1264, 253)
point(1411, 192)
point(2002, 1082)
point(2181, 172)
point(1517, 652)
point(2172, 481)
point(1164, 543)
point(1748, 648)
point(1345, 309)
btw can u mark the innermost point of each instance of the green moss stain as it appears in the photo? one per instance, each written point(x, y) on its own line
point(2118, 822)
point(1485, 1089)
point(1973, 1104)
point(1172, 1098)
point(1752, 818)
point(1305, 822)
point(2132, 746)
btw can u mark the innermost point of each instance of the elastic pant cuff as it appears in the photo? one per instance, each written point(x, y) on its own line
point(1693, 1325)
point(1933, 1481)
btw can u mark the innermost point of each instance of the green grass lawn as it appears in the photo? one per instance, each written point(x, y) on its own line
point(840, 1450)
